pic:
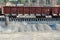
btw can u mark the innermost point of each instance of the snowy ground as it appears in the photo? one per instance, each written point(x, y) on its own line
point(30, 36)
point(29, 31)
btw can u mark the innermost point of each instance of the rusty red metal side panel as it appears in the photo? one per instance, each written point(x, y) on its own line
point(46, 10)
point(59, 10)
point(13, 10)
point(32, 10)
point(26, 10)
point(20, 10)
point(38, 10)
point(6, 10)
point(55, 10)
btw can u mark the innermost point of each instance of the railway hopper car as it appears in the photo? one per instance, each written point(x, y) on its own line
point(38, 12)
point(55, 11)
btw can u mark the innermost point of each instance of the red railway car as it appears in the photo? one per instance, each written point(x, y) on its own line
point(13, 10)
point(26, 10)
point(59, 11)
point(20, 10)
point(32, 10)
point(55, 10)
point(6, 10)
point(38, 10)
point(44, 11)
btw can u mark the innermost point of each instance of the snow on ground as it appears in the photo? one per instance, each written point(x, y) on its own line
point(28, 31)
point(30, 36)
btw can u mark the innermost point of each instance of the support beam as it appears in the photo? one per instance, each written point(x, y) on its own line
point(7, 20)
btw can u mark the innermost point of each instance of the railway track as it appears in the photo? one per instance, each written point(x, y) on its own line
point(34, 20)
